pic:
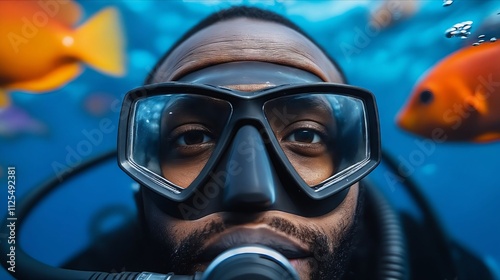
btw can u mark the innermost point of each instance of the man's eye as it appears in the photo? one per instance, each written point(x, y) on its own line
point(304, 136)
point(193, 137)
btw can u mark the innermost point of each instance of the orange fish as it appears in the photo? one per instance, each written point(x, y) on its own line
point(40, 50)
point(459, 99)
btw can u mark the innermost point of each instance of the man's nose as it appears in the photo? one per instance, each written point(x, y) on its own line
point(251, 186)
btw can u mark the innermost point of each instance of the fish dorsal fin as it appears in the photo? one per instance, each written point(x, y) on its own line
point(479, 100)
point(67, 12)
point(52, 80)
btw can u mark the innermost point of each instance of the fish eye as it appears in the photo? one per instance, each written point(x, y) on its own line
point(426, 97)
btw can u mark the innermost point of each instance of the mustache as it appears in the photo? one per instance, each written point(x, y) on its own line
point(190, 249)
point(305, 234)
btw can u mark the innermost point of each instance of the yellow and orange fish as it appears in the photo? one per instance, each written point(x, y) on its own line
point(40, 50)
point(459, 99)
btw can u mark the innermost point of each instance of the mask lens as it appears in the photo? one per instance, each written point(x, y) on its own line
point(173, 136)
point(323, 135)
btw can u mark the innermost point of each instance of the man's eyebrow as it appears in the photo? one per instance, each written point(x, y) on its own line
point(313, 108)
point(186, 100)
point(195, 107)
point(312, 103)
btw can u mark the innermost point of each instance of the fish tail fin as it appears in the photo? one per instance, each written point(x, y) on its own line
point(4, 98)
point(99, 42)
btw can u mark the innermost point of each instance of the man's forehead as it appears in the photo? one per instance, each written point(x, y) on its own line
point(244, 39)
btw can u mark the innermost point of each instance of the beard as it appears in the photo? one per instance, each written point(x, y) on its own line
point(331, 253)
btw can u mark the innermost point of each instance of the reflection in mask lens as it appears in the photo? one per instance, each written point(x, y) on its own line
point(173, 136)
point(322, 135)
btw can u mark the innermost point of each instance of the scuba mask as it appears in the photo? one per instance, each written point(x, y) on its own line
point(295, 148)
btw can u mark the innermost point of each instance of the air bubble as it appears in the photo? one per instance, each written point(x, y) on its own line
point(460, 29)
point(446, 3)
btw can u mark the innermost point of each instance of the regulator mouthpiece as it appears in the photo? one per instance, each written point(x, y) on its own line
point(250, 262)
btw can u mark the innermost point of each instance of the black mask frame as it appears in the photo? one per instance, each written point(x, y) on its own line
point(247, 109)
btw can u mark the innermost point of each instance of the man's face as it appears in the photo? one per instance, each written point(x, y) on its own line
point(317, 247)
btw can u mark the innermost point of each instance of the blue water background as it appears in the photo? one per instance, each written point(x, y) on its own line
point(461, 181)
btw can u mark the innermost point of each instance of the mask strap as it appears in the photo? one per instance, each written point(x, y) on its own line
point(249, 72)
